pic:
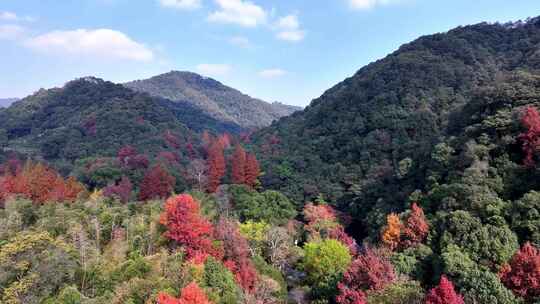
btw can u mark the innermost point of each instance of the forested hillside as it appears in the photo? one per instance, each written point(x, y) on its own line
point(213, 98)
point(90, 117)
point(415, 181)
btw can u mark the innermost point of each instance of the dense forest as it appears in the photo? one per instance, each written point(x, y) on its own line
point(414, 181)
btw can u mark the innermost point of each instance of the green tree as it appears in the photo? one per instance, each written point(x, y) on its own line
point(220, 283)
point(325, 262)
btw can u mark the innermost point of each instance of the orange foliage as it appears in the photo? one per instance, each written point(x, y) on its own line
point(40, 184)
point(391, 235)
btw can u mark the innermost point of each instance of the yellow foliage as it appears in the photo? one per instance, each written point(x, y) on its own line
point(254, 231)
point(17, 289)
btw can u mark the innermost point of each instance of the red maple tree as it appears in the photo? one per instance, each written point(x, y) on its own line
point(191, 294)
point(522, 274)
point(236, 253)
point(531, 138)
point(157, 183)
point(349, 296)
point(216, 166)
point(416, 227)
point(370, 271)
point(40, 184)
point(444, 293)
point(238, 167)
point(252, 170)
point(122, 190)
point(125, 153)
point(187, 227)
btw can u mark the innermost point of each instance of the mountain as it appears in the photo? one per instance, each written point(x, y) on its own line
point(402, 128)
point(6, 102)
point(217, 100)
point(92, 117)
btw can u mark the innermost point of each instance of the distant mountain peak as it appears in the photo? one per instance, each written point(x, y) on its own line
point(214, 98)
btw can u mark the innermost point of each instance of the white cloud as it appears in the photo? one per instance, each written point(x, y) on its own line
point(292, 36)
point(289, 29)
point(272, 73)
point(368, 4)
point(240, 41)
point(288, 22)
point(181, 4)
point(101, 43)
point(11, 32)
point(8, 16)
point(214, 70)
point(243, 13)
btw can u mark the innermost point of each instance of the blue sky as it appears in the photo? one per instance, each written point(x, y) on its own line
point(288, 50)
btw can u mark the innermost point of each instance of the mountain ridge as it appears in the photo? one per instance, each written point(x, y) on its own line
point(218, 100)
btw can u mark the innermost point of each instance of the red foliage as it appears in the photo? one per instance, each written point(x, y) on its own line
point(237, 254)
point(65, 190)
point(318, 217)
point(216, 166)
point(170, 157)
point(225, 140)
point(164, 298)
point(191, 151)
point(157, 183)
point(191, 294)
point(252, 170)
point(90, 125)
point(207, 139)
point(370, 271)
point(238, 169)
point(171, 139)
point(128, 157)
point(522, 274)
point(416, 228)
point(139, 161)
point(122, 191)
point(125, 153)
point(349, 296)
point(13, 166)
point(338, 233)
point(187, 227)
point(40, 184)
point(316, 213)
point(531, 138)
point(444, 294)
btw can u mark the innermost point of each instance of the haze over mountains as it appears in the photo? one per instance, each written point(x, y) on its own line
point(219, 101)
